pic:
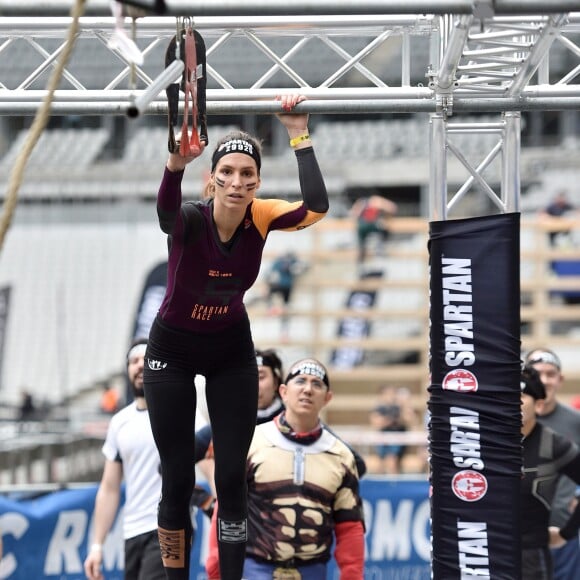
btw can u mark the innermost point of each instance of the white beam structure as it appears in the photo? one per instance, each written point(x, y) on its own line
point(490, 56)
point(476, 65)
point(226, 8)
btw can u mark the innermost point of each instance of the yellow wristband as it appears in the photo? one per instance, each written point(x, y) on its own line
point(299, 139)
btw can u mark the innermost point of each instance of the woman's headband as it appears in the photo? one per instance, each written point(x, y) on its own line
point(236, 146)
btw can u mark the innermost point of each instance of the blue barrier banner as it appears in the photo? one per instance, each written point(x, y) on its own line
point(48, 537)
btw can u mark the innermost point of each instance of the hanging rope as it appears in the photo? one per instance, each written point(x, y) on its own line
point(38, 125)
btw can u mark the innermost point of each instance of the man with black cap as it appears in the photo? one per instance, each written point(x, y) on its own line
point(566, 421)
point(130, 454)
point(547, 456)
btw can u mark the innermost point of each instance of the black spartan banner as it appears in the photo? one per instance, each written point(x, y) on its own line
point(150, 300)
point(474, 404)
point(149, 303)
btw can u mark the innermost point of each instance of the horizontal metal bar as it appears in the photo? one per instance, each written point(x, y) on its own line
point(460, 105)
point(155, 25)
point(223, 107)
point(151, 25)
point(228, 8)
point(475, 90)
point(498, 60)
point(467, 81)
point(388, 94)
point(482, 68)
point(226, 94)
point(475, 127)
point(487, 52)
point(196, 8)
point(459, 131)
point(496, 35)
point(534, 6)
point(498, 105)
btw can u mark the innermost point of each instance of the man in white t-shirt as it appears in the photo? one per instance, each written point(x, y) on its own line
point(131, 454)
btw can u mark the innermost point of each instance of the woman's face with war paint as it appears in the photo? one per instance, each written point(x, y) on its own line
point(236, 180)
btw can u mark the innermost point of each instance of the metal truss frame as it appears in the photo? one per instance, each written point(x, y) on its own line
point(485, 56)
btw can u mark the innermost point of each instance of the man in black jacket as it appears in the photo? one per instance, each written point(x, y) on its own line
point(547, 456)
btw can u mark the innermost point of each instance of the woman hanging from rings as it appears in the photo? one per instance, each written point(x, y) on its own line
point(215, 250)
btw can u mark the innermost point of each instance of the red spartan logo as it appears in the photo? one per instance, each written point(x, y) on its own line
point(461, 381)
point(469, 485)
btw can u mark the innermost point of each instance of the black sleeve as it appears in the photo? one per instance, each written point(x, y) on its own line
point(202, 441)
point(169, 188)
point(312, 183)
point(166, 220)
point(192, 222)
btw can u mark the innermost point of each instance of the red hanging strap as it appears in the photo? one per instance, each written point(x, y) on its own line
point(190, 145)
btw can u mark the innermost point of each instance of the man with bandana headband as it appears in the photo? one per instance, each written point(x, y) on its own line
point(130, 454)
point(303, 489)
point(270, 405)
point(202, 327)
point(566, 421)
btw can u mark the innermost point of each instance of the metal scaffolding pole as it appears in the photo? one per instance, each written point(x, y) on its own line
point(442, 201)
point(478, 69)
point(438, 169)
point(281, 7)
point(321, 106)
point(248, 7)
point(510, 175)
point(534, 6)
point(452, 54)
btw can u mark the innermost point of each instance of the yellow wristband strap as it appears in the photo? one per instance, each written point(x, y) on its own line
point(299, 139)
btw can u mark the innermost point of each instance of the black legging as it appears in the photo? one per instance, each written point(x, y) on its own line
point(228, 362)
